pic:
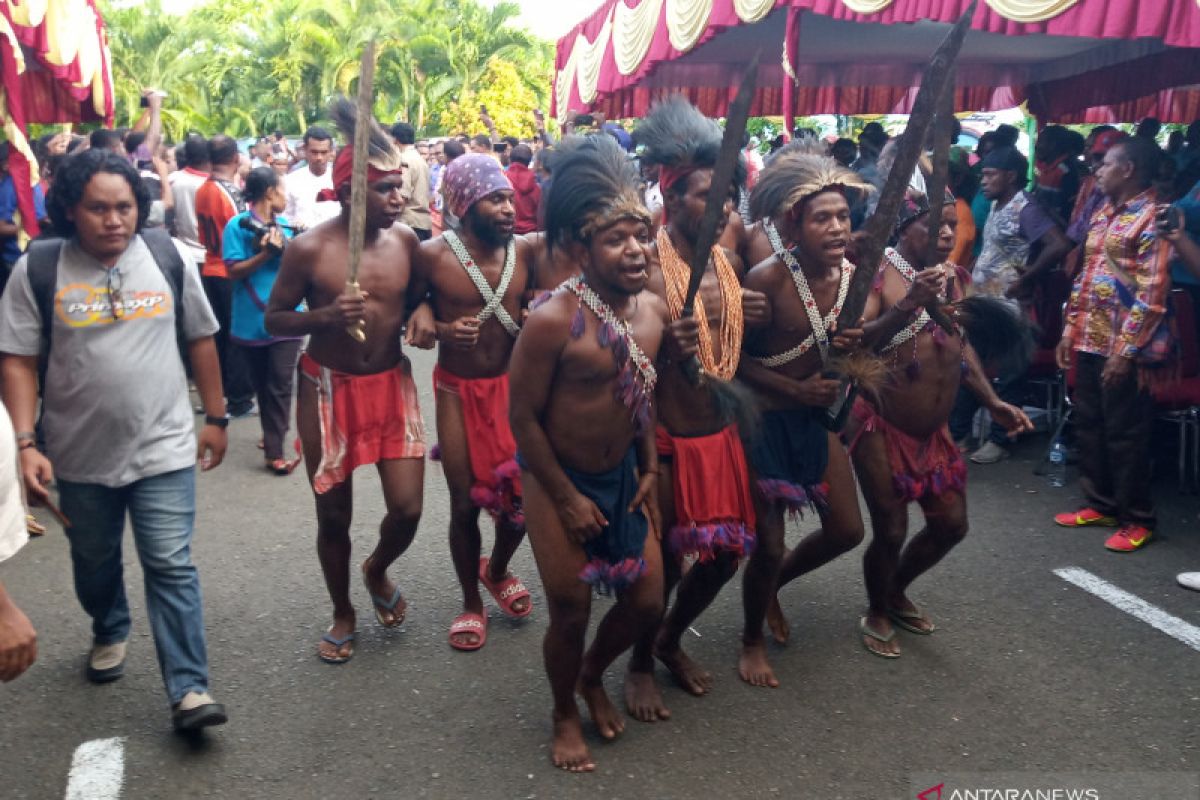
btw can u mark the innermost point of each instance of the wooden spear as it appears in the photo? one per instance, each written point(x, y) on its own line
point(879, 227)
point(358, 179)
point(943, 131)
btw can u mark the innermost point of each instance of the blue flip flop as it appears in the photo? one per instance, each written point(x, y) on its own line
point(380, 605)
point(339, 644)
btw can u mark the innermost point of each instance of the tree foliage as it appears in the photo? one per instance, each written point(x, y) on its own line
point(243, 67)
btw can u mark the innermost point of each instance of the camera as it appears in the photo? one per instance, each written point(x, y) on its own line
point(261, 233)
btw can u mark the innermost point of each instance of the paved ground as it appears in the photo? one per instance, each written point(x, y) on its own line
point(1028, 674)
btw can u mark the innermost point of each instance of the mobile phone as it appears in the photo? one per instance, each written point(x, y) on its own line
point(1168, 219)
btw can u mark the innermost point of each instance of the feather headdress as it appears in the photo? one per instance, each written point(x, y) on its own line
point(595, 186)
point(679, 139)
point(382, 153)
point(796, 173)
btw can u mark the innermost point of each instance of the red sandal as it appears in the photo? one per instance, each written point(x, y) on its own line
point(468, 622)
point(505, 592)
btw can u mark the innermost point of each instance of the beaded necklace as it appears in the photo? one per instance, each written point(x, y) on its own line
point(907, 271)
point(820, 327)
point(636, 376)
point(676, 275)
point(492, 298)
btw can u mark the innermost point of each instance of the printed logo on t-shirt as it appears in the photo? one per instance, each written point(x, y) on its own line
point(81, 305)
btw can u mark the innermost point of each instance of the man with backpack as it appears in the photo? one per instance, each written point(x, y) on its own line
point(110, 309)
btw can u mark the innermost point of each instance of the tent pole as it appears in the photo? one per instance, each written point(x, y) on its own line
point(791, 43)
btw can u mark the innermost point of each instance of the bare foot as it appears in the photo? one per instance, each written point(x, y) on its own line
point(880, 624)
point(568, 750)
point(342, 627)
point(691, 676)
point(753, 666)
point(643, 700)
point(777, 622)
point(608, 720)
point(382, 587)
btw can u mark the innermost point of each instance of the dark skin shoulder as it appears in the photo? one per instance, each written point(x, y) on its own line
point(550, 267)
point(755, 247)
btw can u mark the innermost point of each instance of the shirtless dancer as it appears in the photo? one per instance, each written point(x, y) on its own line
point(704, 483)
point(356, 402)
point(902, 449)
point(583, 380)
point(477, 278)
point(797, 462)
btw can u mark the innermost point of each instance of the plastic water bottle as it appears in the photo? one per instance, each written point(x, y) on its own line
point(1058, 463)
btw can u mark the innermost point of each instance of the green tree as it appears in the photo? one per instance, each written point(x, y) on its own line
point(243, 66)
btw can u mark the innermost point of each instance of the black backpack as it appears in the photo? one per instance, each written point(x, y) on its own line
point(42, 268)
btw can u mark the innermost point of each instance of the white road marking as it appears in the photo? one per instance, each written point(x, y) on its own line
point(97, 770)
point(1152, 615)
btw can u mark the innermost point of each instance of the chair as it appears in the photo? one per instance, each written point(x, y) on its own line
point(1180, 403)
point(1049, 312)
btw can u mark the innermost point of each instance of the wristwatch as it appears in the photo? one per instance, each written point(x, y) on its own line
point(220, 422)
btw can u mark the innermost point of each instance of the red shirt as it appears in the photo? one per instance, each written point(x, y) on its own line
point(215, 206)
point(527, 196)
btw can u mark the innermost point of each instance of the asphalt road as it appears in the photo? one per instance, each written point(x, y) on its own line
point(1027, 674)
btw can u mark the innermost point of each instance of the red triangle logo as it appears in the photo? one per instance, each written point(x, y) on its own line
point(932, 793)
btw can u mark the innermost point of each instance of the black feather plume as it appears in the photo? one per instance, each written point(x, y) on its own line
point(1002, 337)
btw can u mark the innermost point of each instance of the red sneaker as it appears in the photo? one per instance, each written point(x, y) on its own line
point(1128, 538)
point(1083, 518)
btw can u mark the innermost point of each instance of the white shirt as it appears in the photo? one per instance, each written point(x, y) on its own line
point(13, 533)
point(302, 206)
point(184, 184)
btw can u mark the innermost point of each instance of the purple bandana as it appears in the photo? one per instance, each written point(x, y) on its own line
point(469, 179)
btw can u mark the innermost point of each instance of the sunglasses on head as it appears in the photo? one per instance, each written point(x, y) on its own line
point(116, 304)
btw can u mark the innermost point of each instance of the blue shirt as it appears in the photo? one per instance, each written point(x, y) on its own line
point(250, 294)
point(1190, 206)
point(10, 250)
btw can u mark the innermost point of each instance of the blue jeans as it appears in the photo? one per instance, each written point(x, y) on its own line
point(162, 510)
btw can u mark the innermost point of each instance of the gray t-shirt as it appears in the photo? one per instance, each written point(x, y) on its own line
point(116, 406)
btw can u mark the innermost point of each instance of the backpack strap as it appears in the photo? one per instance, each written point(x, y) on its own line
point(166, 255)
point(41, 266)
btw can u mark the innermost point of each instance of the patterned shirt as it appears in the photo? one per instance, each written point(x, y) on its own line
point(1008, 235)
point(1098, 320)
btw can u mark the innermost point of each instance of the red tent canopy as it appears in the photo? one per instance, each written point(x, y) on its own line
point(54, 67)
point(864, 56)
point(1181, 104)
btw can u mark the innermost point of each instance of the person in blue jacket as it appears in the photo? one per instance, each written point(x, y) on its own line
point(252, 247)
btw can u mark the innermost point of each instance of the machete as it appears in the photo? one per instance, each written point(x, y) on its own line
point(879, 227)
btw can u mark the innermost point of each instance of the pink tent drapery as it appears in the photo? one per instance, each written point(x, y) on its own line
point(850, 62)
point(54, 67)
point(1169, 105)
